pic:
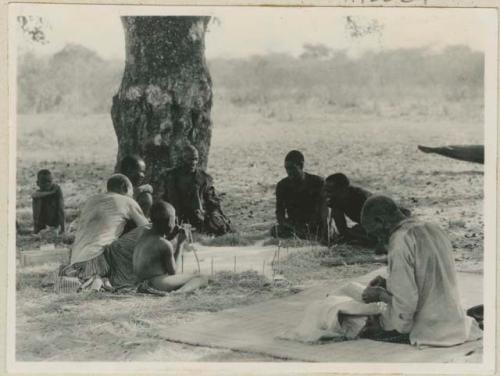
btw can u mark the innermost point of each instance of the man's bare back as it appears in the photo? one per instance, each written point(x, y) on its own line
point(153, 256)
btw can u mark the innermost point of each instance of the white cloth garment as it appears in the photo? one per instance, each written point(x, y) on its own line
point(423, 282)
point(339, 316)
point(102, 220)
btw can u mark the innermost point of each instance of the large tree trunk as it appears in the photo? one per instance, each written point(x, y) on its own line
point(165, 97)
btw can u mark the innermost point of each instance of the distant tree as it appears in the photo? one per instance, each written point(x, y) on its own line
point(358, 28)
point(34, 27)
point(315, 51)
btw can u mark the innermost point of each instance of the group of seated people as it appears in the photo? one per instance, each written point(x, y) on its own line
point(130, 237)
point(305, 203)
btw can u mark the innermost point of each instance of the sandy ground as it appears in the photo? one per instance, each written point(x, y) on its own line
point(379, 154)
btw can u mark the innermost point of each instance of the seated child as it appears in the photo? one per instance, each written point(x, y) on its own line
point(156, 259)
point(48, 203)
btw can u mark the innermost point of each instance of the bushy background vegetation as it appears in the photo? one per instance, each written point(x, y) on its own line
point(447, 83)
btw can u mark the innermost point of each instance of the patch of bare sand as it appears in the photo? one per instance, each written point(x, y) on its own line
point(377, 153)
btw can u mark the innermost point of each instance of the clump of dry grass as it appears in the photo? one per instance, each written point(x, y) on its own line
point(106, 326)
point(232, 239)
point(306, 266)
point(229, 289)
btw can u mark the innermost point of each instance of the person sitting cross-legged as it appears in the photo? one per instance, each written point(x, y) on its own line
point(346, 201)
point(102, 220)
point(299, 206)
point(156, 260)
point(191, 192)
point(48, 203)
point(421, 290)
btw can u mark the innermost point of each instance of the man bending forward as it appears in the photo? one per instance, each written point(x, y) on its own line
point(155, 260)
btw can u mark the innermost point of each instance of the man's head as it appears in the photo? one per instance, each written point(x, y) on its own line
point(145, 201)
point(119, 183)
point(133, 167)
point(336, 186)
point(44, 180)
point(190, 158)
point(379, 216)
point(294, 165)
point(162, 216)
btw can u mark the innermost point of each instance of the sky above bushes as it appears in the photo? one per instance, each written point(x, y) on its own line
point(242, 32)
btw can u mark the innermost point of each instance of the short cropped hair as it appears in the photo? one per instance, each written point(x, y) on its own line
point(295, 156)
point(129, 162)
point(161, 211)
point(189, 150)
point(379, 206)
point(43, 172)
point(116, 183)
point(338, 179)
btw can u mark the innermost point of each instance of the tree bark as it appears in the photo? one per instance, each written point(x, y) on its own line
point(165, 97)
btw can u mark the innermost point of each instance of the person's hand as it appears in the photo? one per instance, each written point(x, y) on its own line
point(145, 188)
point(378, 281)
point(199, 215)
point(372, 294)
point(181, 235)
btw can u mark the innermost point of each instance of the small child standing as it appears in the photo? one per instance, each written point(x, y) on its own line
point(48, 203)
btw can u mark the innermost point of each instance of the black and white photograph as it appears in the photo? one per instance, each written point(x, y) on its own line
point(268, 189)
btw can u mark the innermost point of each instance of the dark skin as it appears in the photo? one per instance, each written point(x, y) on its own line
point(376, 291)
point(47, 188)
point(136, 173)
point(332, 193)
point(189, 166)
point(154, 254)
point(155, 259)
point(295, 172)
point(381, 227)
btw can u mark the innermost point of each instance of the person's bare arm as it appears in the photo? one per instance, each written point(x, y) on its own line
point(36, 215)
point(280, 206)
point(136, 214)
point(340, 222)
point(324, 213)
point(167, 250)
point(179, 246)
point(42, 194)
point(60, 209)
point(376, 294)
point(378, 281)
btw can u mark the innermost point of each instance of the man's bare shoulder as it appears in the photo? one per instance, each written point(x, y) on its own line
point(153, 242)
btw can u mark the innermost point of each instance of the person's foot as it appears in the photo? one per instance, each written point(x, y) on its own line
point(145, 288)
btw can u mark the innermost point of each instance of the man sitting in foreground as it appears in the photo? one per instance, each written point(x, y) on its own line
point(299, 207)
point(102, 220)
point(346, 200)
point(156, 260)
point(421, 290)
